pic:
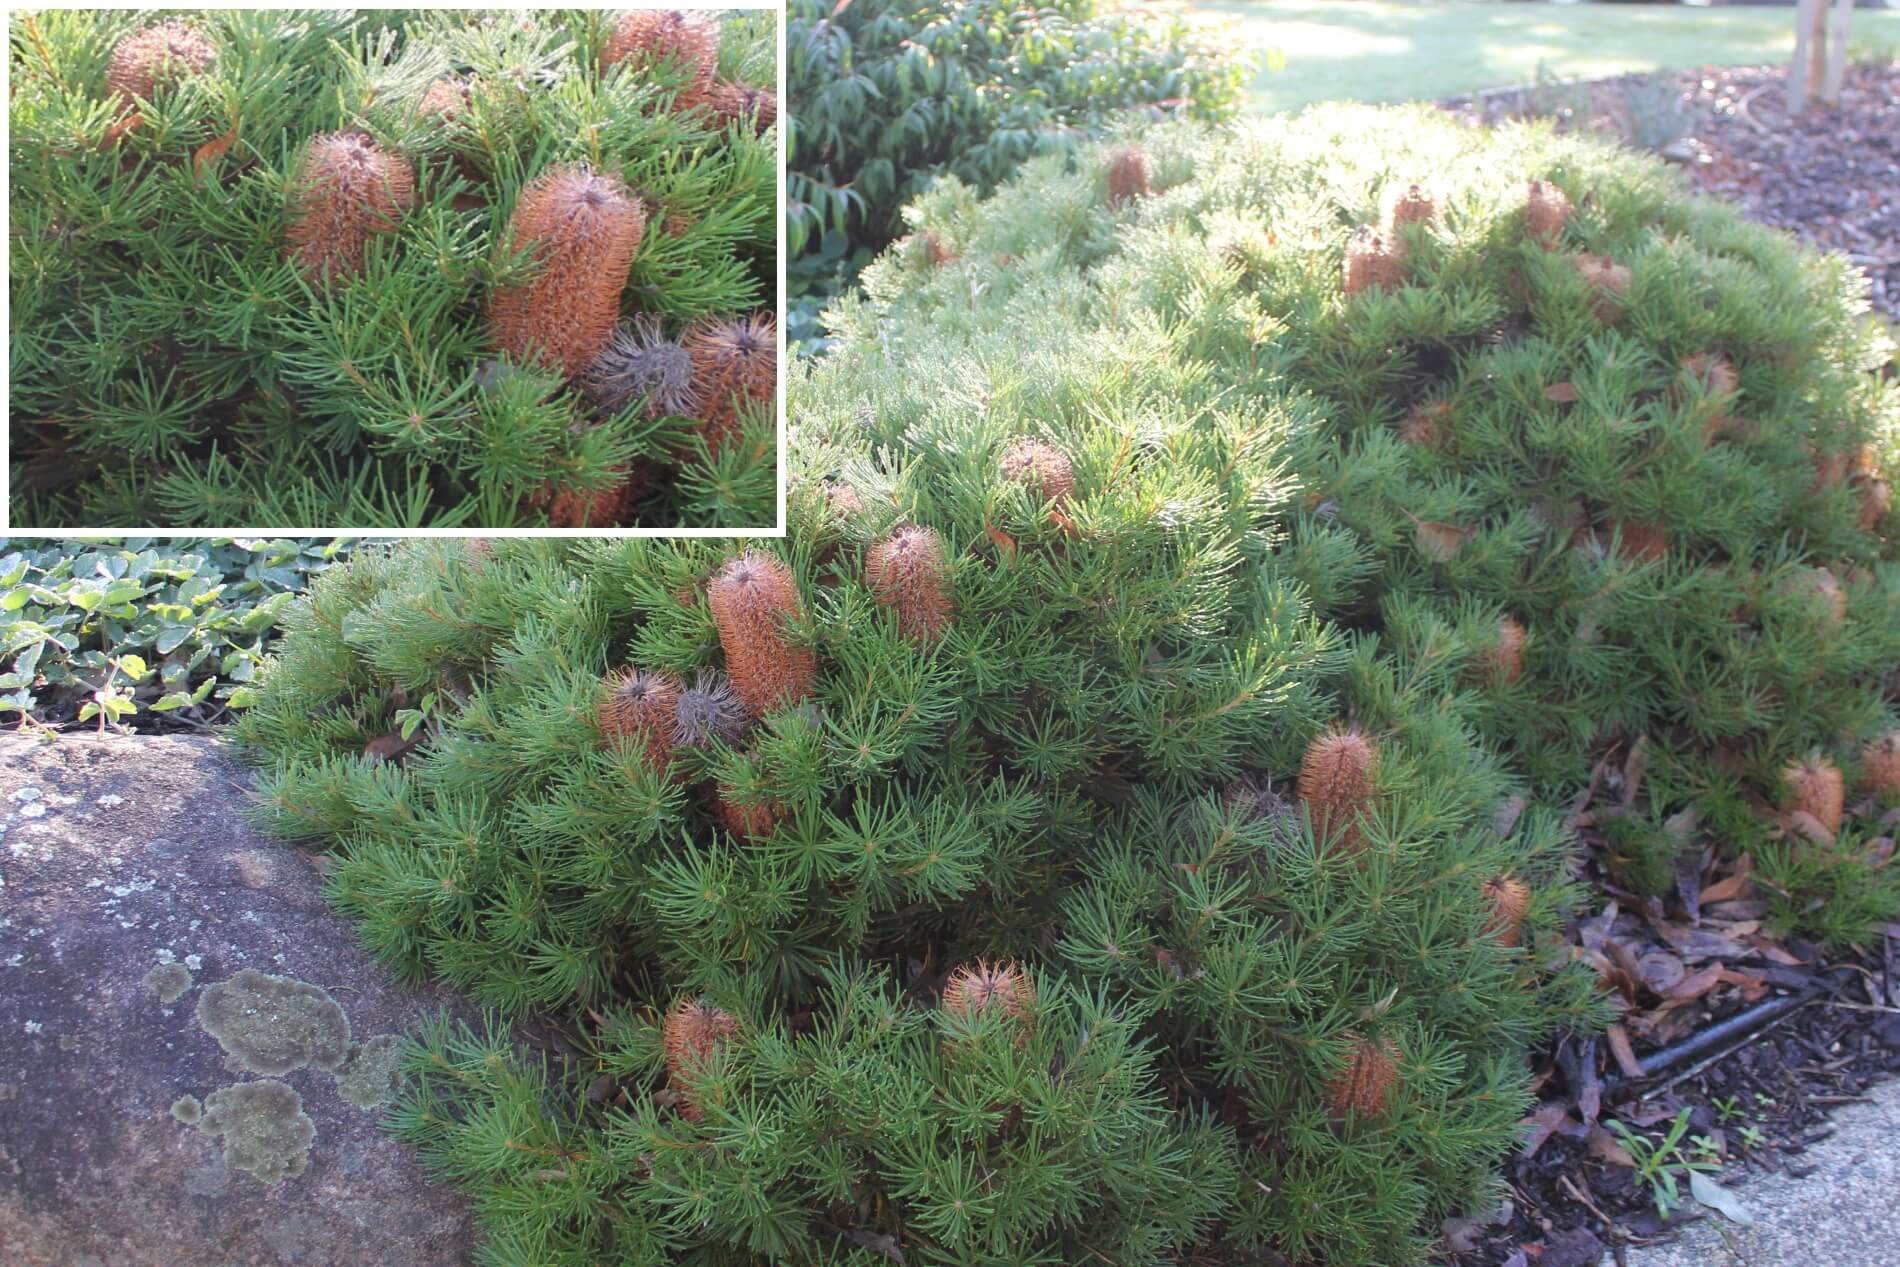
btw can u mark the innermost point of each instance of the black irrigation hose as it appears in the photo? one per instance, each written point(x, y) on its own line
point(1739, 1025)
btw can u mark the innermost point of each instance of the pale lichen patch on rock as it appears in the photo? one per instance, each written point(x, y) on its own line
point(372, 1072)
point(168, 981)
point(264, 1128)
point(272, 1025)
point(187, 1109)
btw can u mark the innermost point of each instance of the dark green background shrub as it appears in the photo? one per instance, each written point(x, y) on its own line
point(888, 94)
point(151, 633)
point(169, 365)
point(1094, 770)
point(1500, 433)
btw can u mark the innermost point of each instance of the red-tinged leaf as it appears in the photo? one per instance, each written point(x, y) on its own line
point(1548, 1120)
point(1752, 987)
point(211, 151)
point(1004, 542)
point(1661, 971)
point(1735, 884)
point(1634, 767)
point(1697, 984)
point(1441, 542)
point(1774, 952)
point(1625, 1054)
point(1563, 393)
point(1604, 1148)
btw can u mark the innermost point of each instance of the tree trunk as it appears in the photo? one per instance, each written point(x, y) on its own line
point(1836, 70)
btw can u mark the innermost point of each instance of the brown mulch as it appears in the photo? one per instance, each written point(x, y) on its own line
point(1830, 175)
point(1786, 1031)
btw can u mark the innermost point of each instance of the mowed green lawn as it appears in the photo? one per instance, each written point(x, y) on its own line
point(1391, 50)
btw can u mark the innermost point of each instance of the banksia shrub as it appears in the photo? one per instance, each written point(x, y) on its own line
point(1503, 660)
point(1366, 1084)
point(1414, 206)
point(162, 53)
point(688, 42)
point(1880, 765)
point(582, 229)
point(693, 1031)
point(735, 365)
point(754, 602)
point(1128, 177)
point(1509, 900)
point(1684, 507)
point(1374, 262)
point(1547, 211)
point(640, 708)
point(909, 575)
point(347, 191)
point(427, 356)
point(737, 103)
point(1074, 787)
point(1814, 787)
point(1338, 786)
point(640, 363)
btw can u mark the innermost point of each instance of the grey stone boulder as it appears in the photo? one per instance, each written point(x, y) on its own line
point(193, 1048)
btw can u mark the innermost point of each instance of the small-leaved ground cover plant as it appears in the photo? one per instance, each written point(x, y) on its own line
point(447, 268)
point(1622, 458)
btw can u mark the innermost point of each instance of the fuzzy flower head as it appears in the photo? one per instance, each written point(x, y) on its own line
point(1337, 785)
point(1128, 176)
point(1374, 261)
point(754, 599)
point(708, 712)
point(1814, 787)
point(1507, 900)
point(164, 53)
point(638, 709)
point(1365, 1085)
point(999, 987)
point(646, 38)
point(641, 363)
point(346, 191)
point(735, 361)
point(908, 573)
point(1415, 206)
point(583, 228)
point(693, 1030)
point(1546, 212)
point(736, 103)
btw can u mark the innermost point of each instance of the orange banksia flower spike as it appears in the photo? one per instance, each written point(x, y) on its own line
point(639, 708)
point(1643, 540)
point(1000, 987)
point(1427, 426)
point(1503, 661)
point(747, 820)
point(735, 361)
point(754, 599)
point(1337, 786)
point(691, 1033)
point(1128, 176)
point(144, 59)
point(1814, 787)
point(1880, 765)
point(1365, 1085)
point(346, 191)
point(1546, 212)
point(1414, 206)
point(583, 229)
point(1508, 899)
point(736, 103)
point(908, 573)
point(1374, 262)
point(1608, 282)
point(1045, 470)
point(645, 38)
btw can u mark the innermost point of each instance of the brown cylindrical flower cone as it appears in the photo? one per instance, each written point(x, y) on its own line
point(1508, 899)
point(1608, 282)
point(164, 53)
point(1876, 499)
point(644, 38)
point(1374, 262)
point(1337, 786)
point(1821, 587)
point(1427, 426)
point(736, 103)
point(692, 1031)
point(735, 361)
point(637, 708)
point(936, 250)
point(754, 599)
point(747, 820)
point(583, 228)
point(445, 100)
point(1643, 540)
point(1043, 467)
point(1546, 212)
point(1503, 660)
point(1815, 788)
point(608, 507)
point(1128, 176)
point(346, 191)
point(1002, 987)
point(1880, 765)
point(1365, 1085)
point(908, 573)
point(1414, 206)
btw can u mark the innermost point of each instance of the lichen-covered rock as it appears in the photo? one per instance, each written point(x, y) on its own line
point(194, 1049)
